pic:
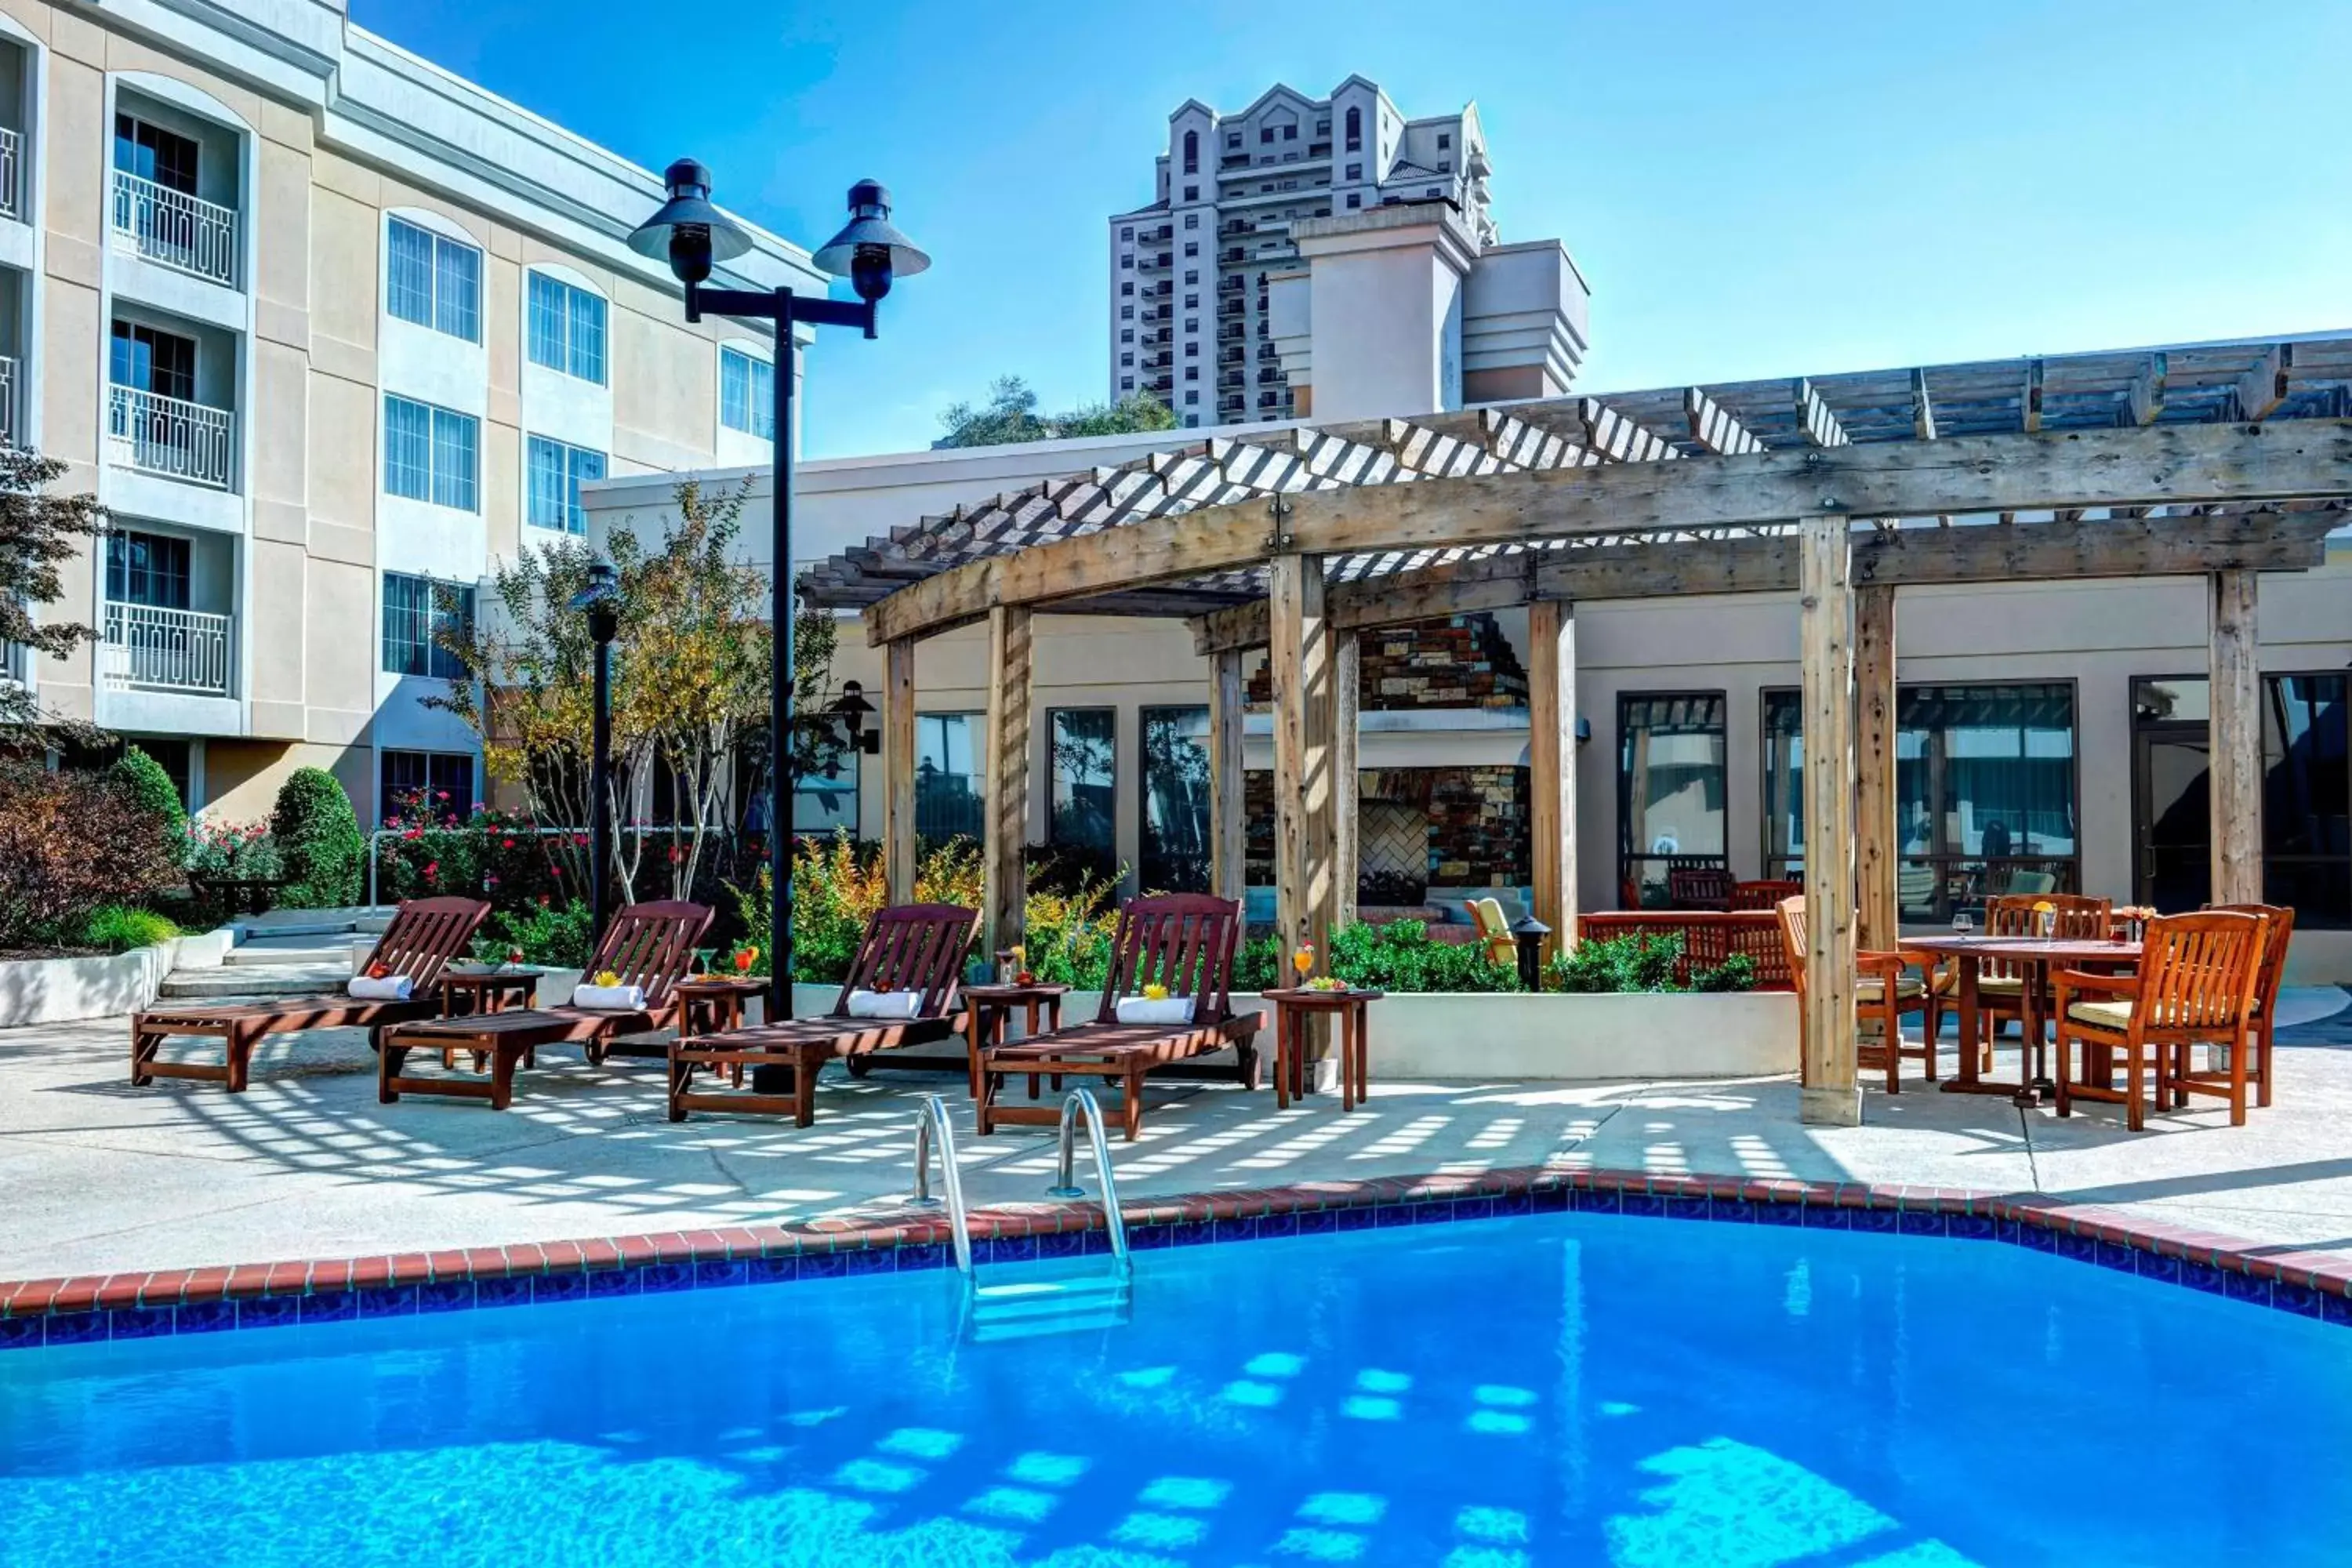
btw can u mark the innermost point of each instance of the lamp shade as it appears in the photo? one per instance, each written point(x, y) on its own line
point(687, 231)
point(869, 231)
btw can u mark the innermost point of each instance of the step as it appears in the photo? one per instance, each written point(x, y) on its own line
point(255, 980)
point(1033, 1307)
point(281, 950)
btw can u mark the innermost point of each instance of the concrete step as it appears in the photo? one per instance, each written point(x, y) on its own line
point(255, 980)
point(276, 950)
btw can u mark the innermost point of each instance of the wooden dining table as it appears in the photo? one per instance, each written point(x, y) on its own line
point(2034, 956)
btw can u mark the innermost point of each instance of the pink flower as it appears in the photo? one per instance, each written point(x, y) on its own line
point(581, 839)
point(506, 843)
point(441, 794)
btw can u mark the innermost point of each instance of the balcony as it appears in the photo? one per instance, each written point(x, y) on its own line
point(176, 230)
point(11, 430)
point(149, 648)
point(170, 437)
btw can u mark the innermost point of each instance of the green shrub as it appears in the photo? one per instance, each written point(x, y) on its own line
point(1400, 956)
point(1257, 965)
point(319, 840)
point(556, 935)
point(1069, 934)
point(119, 928)
point(1635, 961)
point(152, 790)
point(1737, 972)
point(69, 843)
point(231, 851)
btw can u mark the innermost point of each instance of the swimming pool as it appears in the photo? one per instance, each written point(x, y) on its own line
point(1563, 1388)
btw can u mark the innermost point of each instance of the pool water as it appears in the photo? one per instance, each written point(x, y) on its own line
point(1561, 1389)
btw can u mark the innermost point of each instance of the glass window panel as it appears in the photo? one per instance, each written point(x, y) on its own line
point(546, 468)
point(546, 321)
point(824, 800)
point(1084, 783)
point(407, 449)
point(409, 274)
point(566, 327)
point(453, 459)
point(947, 775)
point(406, 601)
point(1670, 788)
point(587, 335)
point(459, 280)
point(746, 393)
point(1175, 801)
point(147, 569)
point(435, 783)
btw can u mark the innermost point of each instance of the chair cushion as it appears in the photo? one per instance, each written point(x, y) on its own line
point(2115, 1015)
point(1875, 990)
point(2000, 985)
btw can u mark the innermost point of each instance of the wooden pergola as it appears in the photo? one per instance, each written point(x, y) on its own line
point(2218, 460)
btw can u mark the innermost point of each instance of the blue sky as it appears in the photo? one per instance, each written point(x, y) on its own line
point(1750, 189)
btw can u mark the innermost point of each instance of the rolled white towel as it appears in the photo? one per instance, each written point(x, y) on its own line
point(616, 998)
point(379, 987)
point(886, 1004)
point(1153, 1010)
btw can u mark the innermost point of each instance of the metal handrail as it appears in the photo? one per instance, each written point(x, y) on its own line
point(158, 648)
point(186, 233)
point(170, 435)
point(12, 161)
point(933, 1115)
point(1080, 1103)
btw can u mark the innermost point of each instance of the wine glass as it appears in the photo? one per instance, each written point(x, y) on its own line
point(702, 957)
point(1963, 923)
point(515, 955)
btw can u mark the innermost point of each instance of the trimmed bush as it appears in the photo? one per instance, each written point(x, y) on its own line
point(118, 928)
point(1400, 956)
point(1638, 962)
point(319, 842)
point(549, 934)
point(69, 843)
point(152, 791)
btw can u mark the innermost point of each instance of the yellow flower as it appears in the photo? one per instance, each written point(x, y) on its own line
point(607, 977)
point(2044, 908)
point(1155, 992)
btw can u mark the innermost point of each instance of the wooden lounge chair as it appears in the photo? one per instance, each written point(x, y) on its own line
point(424, 936)
point(1882, 994)
point(1182, 941)
point(2281, 930)
point(648, 945)
point(2198, 978)
point(1494, 931)
point(915, 947)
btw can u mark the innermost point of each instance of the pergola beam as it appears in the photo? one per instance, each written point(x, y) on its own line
point(1713, 427)
point(2165, 464)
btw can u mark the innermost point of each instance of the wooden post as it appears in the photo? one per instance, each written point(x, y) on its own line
point(1300, 658)
point(1878, 835)
point(1345, 851)
point(2235, 740)
point(1830, 1096)
point(1552, 768)
point(1004, 819)
point(898, 852)
point(1228, 810)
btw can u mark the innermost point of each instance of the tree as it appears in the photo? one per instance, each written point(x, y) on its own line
point(318, 835)
point(38, 532)
point(690, 673)
point(1011, 416)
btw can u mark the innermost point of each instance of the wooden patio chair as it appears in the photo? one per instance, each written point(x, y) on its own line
point(2197, 980)
point(424, 936)
point(1494, 931)
point(2001, 984)
point(2280, 918)
point(1184, 942)
point(647, 945)
point(913, 947)
point(1763, 895)
point(1882, 994)
point(1699, 887)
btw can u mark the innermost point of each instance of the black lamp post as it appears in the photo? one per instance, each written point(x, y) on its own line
point(601, 603)
point(1528, 935)
point(693, 236)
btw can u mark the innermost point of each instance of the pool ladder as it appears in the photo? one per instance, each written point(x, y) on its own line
point(1061, 1300)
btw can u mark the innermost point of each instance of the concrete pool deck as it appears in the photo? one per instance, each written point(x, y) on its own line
point(102, 1178)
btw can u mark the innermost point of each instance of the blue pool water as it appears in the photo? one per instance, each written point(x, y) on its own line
point(1567, 1389)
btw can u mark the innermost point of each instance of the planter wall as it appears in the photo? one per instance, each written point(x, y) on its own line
point(1521, 1037)
point(58, 990)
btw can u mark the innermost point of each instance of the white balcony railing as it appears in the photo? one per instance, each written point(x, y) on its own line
point(151, 648)
point(10, 433)
point(12, 165)
point(179, 230)
point(168, 435)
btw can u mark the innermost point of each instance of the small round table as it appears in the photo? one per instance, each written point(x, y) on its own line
point(713, 1004)
point(2034, 955)
point(1292, 1003)
point(986, 1008)
point(467, 992)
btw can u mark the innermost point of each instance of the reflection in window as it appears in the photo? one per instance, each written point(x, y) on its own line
point(1670, 789)
point(437, 784)
point(1084, 789)
point(1174, 846)
point(417, 611)
point(947, 775)
point(1985, 800)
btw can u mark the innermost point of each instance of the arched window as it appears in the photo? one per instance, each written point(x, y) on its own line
point(1192, 151)
point(1355, 129)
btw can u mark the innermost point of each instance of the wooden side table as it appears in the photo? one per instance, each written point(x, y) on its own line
point(985, 1008)
point(468, 993)
point(1291, 1006)
point(713, 1004)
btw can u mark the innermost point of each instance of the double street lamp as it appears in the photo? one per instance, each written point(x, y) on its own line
point(693, 236)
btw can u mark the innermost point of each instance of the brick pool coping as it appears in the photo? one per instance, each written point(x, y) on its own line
point(89, 1308)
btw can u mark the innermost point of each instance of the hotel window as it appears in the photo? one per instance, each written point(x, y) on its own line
point(1192, 193)
point(824, 798)
point(417, 612)
point(1126, 359)
point(1355, 202)
point(1191, 397)
point(1126, 289)
point(147, 569)
point(1985, 798)
point(1445, 140)
point(556, 473)
point(1081, 822)
point(2306, 795)
point(1670, 789)
point(1126, 233)
point(747, 394)
point(567, 328)
point(1192, 151)
point(431, 454)
point(1355, 129)
point(1192, 220)
point(1174, 801)
point(149, 153)
point(1126, 383)
point(434, 282)
point(151, 360)
point(1265, 135)
point(1290, 133)
point(1233, 138)
point(1126, 261)
point(438, 783)
point(947, 775)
